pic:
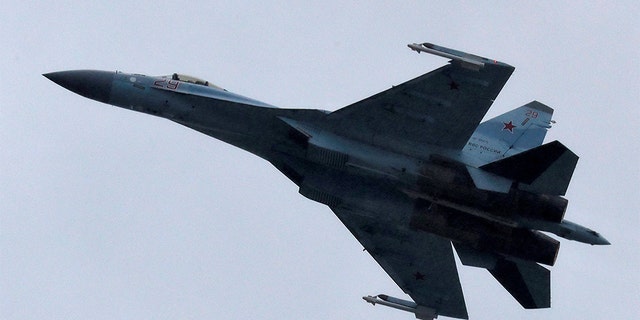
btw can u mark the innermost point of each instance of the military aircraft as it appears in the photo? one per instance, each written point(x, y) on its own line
point(411, 171)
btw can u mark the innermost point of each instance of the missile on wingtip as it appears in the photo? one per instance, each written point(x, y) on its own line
point(469, 60)
point(420, 312)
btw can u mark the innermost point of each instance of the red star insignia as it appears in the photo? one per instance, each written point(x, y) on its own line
point(508, 126)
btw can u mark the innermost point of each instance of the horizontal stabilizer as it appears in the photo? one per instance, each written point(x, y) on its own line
point(546, 169)
point(488, 181)
point(476, 258)
point(528, 282)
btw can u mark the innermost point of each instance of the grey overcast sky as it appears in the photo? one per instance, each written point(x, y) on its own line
point(110, 214)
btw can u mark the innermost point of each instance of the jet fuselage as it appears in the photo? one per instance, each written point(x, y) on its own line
point(413, 172)
point(409, 171)
point(297, 143)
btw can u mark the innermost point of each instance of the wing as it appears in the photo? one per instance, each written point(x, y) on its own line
point(442, 107)
point(420, 263)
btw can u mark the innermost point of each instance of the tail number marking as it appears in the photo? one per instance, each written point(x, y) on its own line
point(167, 84)
point(532, 114)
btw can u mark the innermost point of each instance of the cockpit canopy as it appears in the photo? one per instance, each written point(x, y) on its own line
point(194, 80)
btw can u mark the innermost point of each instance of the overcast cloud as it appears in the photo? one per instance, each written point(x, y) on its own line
point(110, 214)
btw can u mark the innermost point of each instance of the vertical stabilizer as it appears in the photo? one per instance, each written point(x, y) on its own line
point(518, 130)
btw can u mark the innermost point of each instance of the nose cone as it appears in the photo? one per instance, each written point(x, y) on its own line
point(92, 84)
point(602, 241)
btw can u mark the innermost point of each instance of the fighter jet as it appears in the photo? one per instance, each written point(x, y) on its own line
point(412, 172)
